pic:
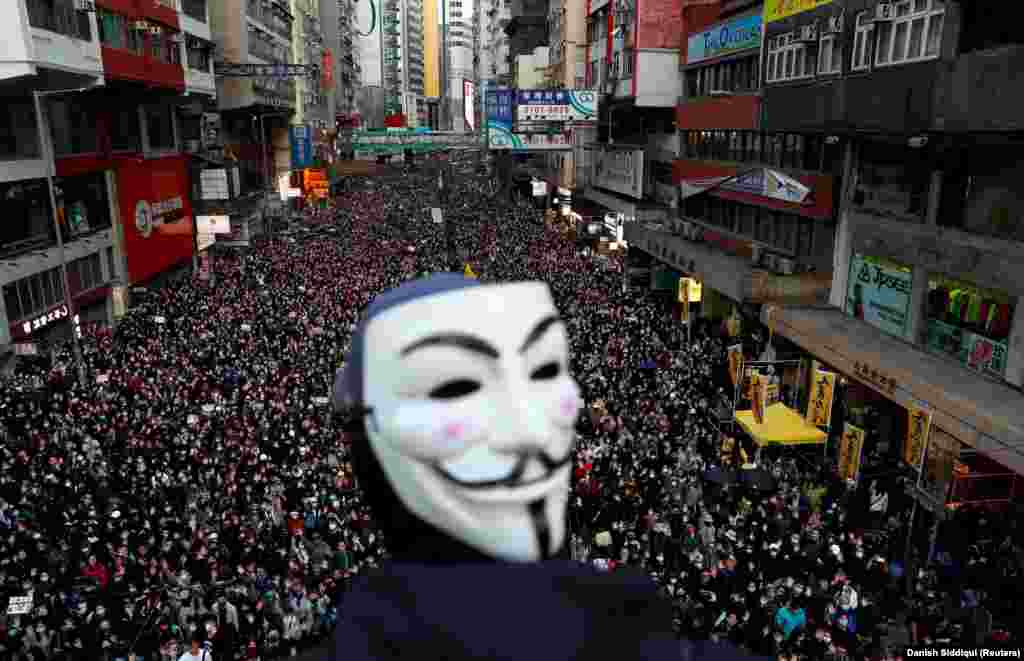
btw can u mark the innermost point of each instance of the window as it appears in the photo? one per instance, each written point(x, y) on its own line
point(18, 137)
point(27, 219)
point(194, 9)
point(863, 41)
point(915, 33)
point(160, 127)
point(199, 57)
point(788, 59)
point(73, 127)
point(969, 324)
point(59, 16)
point(627, 63)
point(830, 54)
point(892, 180)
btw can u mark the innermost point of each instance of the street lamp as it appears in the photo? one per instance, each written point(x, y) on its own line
point(48, 157)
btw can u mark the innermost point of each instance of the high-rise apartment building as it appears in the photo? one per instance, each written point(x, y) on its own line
point(457, 54)
point(314, 107)
point(414, 52)
point(431, 61)
point(492, 54)
point(348, 62)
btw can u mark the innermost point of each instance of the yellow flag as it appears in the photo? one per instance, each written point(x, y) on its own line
point(850, 449)
point(759, 396)
point(735, 356)
point(819, 407)
point(468, 272)
point(919, 422)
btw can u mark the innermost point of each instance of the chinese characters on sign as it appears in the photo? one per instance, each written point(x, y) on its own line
point(735, 354)
point(775, 10)
point(45, 320)
point(556, 105)
point(868, 373)
point(850, 449)
point(819, 407)
point(919, 422)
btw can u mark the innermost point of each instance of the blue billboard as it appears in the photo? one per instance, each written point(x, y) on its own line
point(302, 147)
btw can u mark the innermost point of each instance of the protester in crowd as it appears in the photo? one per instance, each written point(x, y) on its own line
point(196, 484)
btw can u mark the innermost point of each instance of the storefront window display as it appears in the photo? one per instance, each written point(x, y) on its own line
point(879, 292)
point(969, 324)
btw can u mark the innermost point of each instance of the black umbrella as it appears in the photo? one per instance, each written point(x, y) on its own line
point(758, 478)
point(721, 476)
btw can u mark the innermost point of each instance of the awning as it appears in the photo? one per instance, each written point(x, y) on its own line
point(979, 412)
point(630, 208)
point(810, 196)
point(782, 426)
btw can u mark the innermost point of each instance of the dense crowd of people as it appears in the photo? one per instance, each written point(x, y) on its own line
point(195, 493)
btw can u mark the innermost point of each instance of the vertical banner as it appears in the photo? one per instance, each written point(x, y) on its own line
point(758, 395)
point(819, 405)
point(684, 300)
point(919, 422)
point(850, 450)
point(735, 355)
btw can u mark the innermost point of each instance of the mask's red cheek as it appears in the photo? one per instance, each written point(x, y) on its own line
point(453, 431)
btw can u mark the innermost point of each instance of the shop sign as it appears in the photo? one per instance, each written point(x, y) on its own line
point(44, 320)
point(302, 147)
point(851, 448)
point(758, 395)
point(689, 290)
point(730, 37)
point(556, 105)
point(620, 171)
point(819, 407)
point(974, 351)
point(879, 295)
point(919, 422)
point(865, 372)
point(776, 10)
point(149, 215)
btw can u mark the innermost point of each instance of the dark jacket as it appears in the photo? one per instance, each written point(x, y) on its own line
point(516, 612)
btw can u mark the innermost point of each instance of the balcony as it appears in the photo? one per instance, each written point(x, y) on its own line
point(62, 38)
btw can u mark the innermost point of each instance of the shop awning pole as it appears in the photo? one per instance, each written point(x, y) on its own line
point(45, 147)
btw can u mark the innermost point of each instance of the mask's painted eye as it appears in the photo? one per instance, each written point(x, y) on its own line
point(546, 372)
point(455, 389)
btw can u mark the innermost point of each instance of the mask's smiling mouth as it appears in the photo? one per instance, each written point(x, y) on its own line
point(481, 469)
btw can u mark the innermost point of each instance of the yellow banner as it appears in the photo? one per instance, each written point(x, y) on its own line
point(773, 395)
point(759, 396)
point(850, 449)
point(775, 10)
point(690, 289)
point(819, 406)
point(735, 363)
point(919, 422)
point(684, 300)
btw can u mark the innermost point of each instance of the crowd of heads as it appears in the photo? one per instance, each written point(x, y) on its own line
point(196, 488)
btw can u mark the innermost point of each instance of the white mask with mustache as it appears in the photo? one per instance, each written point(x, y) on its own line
point(473, 414)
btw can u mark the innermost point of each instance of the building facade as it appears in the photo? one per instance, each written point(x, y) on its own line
point(414, 59)
point(915, 92)
point(349, 66)
point(457, 59)
point(492, 55)
point(863, 211)
point(122, 92)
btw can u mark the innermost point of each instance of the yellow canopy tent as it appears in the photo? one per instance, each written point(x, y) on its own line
point(782, 426)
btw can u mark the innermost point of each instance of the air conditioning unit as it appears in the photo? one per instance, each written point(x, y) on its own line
point(719, 93)
point(883, 12)
point(808, 33)
point(85, 5)
point(835, 24)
